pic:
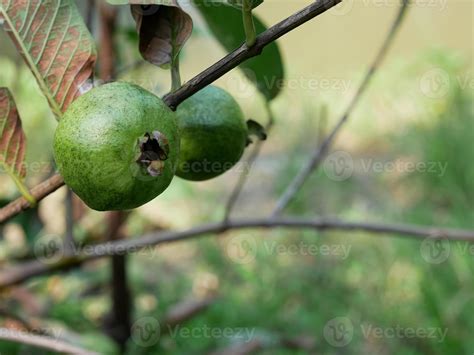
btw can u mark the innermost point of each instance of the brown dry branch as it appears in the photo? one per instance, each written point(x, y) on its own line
point(43, 342)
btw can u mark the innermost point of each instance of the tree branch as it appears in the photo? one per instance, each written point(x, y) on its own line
point(39, 192)
point(21, 273)
point(243, 53)
point(208, 76)
point(41, 342)
point(319, 154)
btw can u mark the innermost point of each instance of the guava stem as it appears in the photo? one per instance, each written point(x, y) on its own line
point(249, 25)
point(175, 74)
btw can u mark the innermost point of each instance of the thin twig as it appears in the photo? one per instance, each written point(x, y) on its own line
point(319, 154)
point(108, 16)
point(39, 192)
point(243, 177)
point(90, 7)
point(7, 313)
point(244, 52)
point(21, 273)
point(184, 311)
point(41, 342)
point(209, 75)
point(69, 217)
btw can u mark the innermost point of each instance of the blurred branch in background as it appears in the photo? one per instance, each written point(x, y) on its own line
point(43, 342)
point(69, 217)
point(117, 324)
point(301, 343)
point(184, 311)
point(25, 323)
point(250, 347)
point(209, 75)
point(90, 14)
point(18, 274)
point(234, 196)
point(318, 155)
point(108, 18)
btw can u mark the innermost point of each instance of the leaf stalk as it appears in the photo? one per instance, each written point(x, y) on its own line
point(249, 25)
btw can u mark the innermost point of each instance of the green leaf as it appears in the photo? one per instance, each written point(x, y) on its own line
point(12, 142)
point(265, 71)
point(56, 45)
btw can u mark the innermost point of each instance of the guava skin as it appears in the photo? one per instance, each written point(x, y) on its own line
point(213, 134)
point(97, 146)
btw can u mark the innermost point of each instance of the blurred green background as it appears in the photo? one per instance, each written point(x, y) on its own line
point(282, 286)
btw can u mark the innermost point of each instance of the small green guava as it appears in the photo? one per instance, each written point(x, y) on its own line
point(117, 146)
point(213, 134)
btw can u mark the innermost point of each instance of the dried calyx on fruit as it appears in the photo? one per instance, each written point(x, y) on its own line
point(154, 150)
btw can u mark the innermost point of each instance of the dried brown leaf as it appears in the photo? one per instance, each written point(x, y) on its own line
point(163, 29)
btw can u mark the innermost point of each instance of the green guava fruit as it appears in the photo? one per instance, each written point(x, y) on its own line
point(213, 134)
point(117, 146)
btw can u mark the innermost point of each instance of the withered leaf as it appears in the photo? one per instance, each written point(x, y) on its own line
point(163, 28)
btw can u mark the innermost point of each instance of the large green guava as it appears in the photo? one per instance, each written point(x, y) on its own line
point(213, 134)
point(117, 146)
